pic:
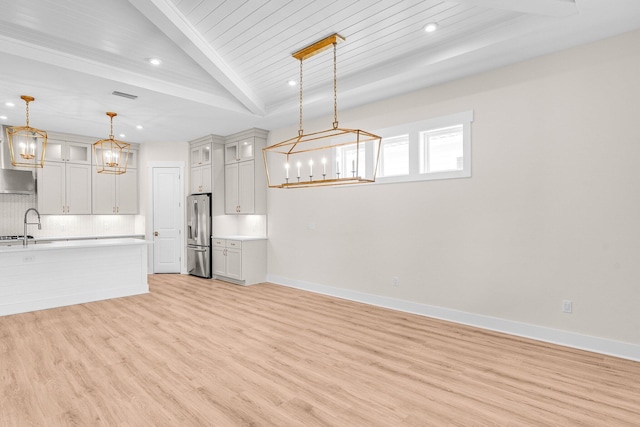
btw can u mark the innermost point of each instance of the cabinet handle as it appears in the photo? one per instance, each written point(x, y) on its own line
point(117, 209)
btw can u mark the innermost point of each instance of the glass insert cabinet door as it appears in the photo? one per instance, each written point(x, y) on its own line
point(239, 151)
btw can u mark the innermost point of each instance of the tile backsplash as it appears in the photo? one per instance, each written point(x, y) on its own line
point(13, 207)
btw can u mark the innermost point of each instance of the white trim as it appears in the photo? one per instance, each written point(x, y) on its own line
point(540, 333)
point(149, 222)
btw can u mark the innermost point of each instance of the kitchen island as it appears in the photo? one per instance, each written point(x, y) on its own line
point(56, 274)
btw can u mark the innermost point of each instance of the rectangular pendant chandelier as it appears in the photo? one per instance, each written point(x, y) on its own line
point(336, 156)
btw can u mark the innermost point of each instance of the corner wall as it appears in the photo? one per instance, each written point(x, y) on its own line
point(550, 213)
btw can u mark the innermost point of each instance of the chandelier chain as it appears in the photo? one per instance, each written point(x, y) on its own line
point(300, 131)
point(335, 88)
point(27, 113)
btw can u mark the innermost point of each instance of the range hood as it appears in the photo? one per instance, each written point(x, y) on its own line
point(12, 179)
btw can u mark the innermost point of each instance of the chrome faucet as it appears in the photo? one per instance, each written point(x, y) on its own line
point(25, 241)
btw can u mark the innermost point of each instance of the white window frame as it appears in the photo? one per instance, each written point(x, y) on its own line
point(381, 164)
point(414, 130)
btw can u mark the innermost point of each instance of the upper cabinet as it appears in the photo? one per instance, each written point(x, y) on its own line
point(244, 176)
point(200, 154)
point(64, 183)
point(239, 150)
point(201, 164)
point(68, 151)
point(116, 194)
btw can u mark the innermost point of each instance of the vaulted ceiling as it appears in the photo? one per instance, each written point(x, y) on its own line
point(226, 64)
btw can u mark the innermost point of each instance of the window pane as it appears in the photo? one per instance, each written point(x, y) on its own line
point(346, 159)
point(394, 156)
point(442, 150)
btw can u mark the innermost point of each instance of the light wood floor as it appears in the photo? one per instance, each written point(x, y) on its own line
point(195, 352)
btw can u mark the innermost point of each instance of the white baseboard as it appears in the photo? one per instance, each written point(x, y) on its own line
point(540, 333)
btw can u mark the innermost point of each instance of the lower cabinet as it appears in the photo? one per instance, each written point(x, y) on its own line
point(243, 262)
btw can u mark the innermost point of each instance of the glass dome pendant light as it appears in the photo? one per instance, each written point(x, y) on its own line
point(342, 156)
point(111, 155)
point(27, 145)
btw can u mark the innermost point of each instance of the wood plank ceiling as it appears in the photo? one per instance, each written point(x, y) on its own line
point(226, 63)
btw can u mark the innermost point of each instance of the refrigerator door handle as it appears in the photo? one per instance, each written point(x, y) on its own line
point(195, 215)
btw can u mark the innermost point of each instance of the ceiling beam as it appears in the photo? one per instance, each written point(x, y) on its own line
point(105, 71)
point(553, 8)
point(166, 16)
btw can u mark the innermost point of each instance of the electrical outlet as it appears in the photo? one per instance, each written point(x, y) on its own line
point(567, 306)
point(395, 281)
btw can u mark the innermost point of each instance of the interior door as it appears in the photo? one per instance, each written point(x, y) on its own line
point(167, 241)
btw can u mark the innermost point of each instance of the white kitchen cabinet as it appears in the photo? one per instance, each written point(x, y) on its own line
point(201, 179)
point(201, 164)
point(240, 150)
point(200, 154)
point(68, 151)
point(127, 193)
point(245, 188)
point(243, 262)
point(64, 183)
point(116, 194)
point(240, 188)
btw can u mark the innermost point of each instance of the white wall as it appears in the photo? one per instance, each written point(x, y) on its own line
point(550, 213)
point(159, 152)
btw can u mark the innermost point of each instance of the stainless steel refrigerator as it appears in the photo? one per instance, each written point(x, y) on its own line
point(199, 235)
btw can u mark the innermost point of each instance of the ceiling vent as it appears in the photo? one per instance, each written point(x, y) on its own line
point(124, 95)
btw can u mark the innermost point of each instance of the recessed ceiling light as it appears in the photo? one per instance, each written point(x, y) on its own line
point(9, 104)
point(3, 117)
point(431, 27)
point(292, 82)
point(155, 61)
point(139, 127)
point(122, 135)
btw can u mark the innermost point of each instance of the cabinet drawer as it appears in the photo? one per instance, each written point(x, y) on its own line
point(219, 242)
point(235, 244)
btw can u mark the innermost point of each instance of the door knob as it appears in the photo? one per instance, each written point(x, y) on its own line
point(155, 233)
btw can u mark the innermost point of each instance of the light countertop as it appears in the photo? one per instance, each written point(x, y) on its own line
point(62, 238)
point(238, 237)
point(69, 244)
